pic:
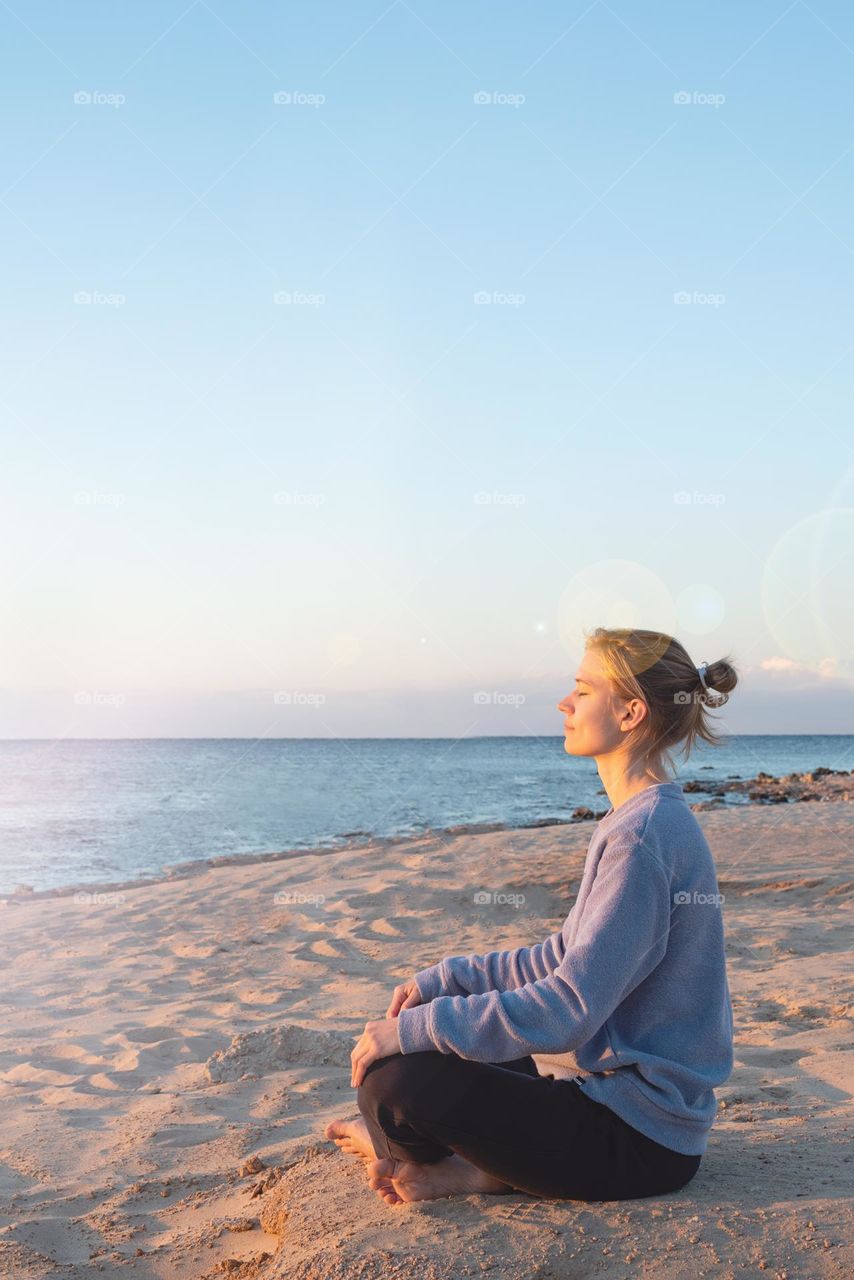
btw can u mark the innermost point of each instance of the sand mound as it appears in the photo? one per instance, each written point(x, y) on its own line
point(258, 1053)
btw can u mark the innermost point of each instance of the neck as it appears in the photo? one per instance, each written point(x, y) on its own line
point(623, 779)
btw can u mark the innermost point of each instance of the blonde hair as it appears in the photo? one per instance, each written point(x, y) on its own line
point(656, 668)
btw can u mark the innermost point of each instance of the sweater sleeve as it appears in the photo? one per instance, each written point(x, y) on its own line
point(494, 971)
point(622, 935)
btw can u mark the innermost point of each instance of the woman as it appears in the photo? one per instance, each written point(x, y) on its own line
point(627, 1005)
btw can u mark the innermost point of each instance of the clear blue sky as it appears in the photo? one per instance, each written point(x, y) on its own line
point(262, 437)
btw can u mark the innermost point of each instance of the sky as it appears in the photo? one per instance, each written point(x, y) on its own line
point(359, 357)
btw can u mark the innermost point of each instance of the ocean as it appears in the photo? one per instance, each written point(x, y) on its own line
point(80, 811)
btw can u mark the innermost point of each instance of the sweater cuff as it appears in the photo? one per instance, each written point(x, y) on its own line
point(413, 1029)
point(429, 983)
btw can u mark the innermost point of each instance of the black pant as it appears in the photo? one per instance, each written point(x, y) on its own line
point(541, 1135)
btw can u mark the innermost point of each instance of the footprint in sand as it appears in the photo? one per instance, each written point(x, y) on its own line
point(326, 948)
point(51, 1236)
point(148, 1035)
point(194, 950)
point(381, 927)
point(803, 1016)
point(761, 1057)
point(331, 949)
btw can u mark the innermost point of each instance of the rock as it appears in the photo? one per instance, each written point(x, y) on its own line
point(266, 1181)
point(581, 814)
point(253, 1165)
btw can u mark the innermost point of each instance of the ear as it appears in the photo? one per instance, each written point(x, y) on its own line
point(634, 714)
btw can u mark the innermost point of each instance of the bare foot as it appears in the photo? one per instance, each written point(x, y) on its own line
point(352, 1136)
point(399, 1181)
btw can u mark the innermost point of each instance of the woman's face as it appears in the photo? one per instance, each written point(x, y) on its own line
point(591, 727)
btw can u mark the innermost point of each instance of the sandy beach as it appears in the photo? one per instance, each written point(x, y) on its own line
point(170, 1053)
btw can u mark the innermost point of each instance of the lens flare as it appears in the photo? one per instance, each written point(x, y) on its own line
point(613, 593)
point(805, 594)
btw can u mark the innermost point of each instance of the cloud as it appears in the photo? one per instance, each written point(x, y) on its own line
point(824, 669)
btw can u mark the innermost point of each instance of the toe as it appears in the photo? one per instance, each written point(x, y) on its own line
point(388, 1195)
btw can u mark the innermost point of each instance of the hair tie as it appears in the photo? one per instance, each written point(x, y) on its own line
point(715, 699)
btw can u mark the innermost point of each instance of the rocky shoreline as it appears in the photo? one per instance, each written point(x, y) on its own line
point(817, 784)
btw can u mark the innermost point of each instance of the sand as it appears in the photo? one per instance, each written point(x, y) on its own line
point(170, 1053)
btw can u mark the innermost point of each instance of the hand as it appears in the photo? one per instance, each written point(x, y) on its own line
point(404, 997)
point(379, 1039)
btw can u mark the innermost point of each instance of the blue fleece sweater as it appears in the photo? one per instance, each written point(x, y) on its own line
point(633, 987)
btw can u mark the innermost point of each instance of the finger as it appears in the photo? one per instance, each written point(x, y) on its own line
point(355, 1059)
point(358, 1073)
